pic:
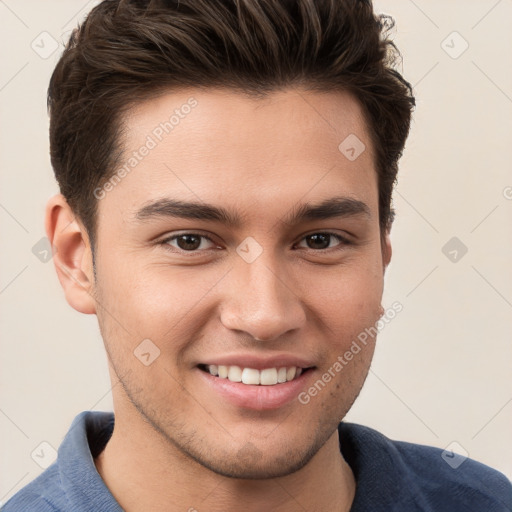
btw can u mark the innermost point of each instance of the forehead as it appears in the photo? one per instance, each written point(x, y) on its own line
point(220, 146)
point(222, 115)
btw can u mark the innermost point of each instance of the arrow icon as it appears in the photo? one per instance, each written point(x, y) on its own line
point(454, 45)
point(44, 454)
point(351, 147)
point(454, 455)
point(146, 352)
point(42, 250)
point(249, 249)
point(44, 45)
point(454, 249)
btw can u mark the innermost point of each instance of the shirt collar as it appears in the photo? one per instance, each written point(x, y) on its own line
point(83, 485)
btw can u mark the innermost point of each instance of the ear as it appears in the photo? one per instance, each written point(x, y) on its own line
point(72, 254)
point(386, 249)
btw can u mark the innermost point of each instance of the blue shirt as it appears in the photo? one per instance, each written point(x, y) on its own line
point(391, 476)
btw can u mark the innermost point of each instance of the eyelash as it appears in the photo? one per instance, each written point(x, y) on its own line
point(343, 242)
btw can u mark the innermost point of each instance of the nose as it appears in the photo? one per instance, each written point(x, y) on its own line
point(261, 301)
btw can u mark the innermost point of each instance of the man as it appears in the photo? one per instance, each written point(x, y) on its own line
point(226, 170)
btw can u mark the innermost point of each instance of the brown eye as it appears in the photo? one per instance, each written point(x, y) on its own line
point(320, 241)
point(188, 242)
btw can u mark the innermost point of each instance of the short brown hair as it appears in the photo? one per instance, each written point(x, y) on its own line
point(127, 51)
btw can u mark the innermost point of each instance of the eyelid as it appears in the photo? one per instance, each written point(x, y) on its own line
point(344, 241)
point(165, 241)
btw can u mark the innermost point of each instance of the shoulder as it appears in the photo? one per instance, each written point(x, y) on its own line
point(43, 494)
point(71, 482)
point(456, 477)
point(426, 477)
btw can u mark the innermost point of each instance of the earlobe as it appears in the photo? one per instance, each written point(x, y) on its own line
point(71, 254)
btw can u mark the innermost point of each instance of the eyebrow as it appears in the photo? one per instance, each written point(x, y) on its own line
point(335, 207)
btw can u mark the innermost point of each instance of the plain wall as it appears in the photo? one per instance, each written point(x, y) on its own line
point(442, 368)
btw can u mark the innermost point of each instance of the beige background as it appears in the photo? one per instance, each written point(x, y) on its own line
point(442, 370)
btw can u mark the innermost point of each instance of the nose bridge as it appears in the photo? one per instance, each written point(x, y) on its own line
point(261, 299)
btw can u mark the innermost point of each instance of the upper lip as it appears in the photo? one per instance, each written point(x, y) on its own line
point(259, 362)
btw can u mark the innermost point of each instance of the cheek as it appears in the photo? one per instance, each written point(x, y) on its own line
point(347, 305)
point(346, 294)
point(348, 311)
point(158, 302)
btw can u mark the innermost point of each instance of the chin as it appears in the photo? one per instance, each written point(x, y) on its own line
point(251, 464)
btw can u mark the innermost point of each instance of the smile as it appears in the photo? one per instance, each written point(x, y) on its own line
point(256, 389)
point(252, 376)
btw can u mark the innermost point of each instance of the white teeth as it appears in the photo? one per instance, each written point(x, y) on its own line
point(268, 377)
point(281, 375)
point(235, 374)
point(251, 376)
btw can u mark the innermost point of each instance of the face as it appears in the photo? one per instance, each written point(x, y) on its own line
point(243, 277)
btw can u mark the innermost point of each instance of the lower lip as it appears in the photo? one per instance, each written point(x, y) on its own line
point(258, 397)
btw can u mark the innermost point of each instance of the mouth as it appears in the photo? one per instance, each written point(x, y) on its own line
point(254, 377)
point(263, 389)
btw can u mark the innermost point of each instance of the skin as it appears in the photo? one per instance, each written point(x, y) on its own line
point(261, 158)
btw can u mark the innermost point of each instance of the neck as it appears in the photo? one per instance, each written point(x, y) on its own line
point(144, 471)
